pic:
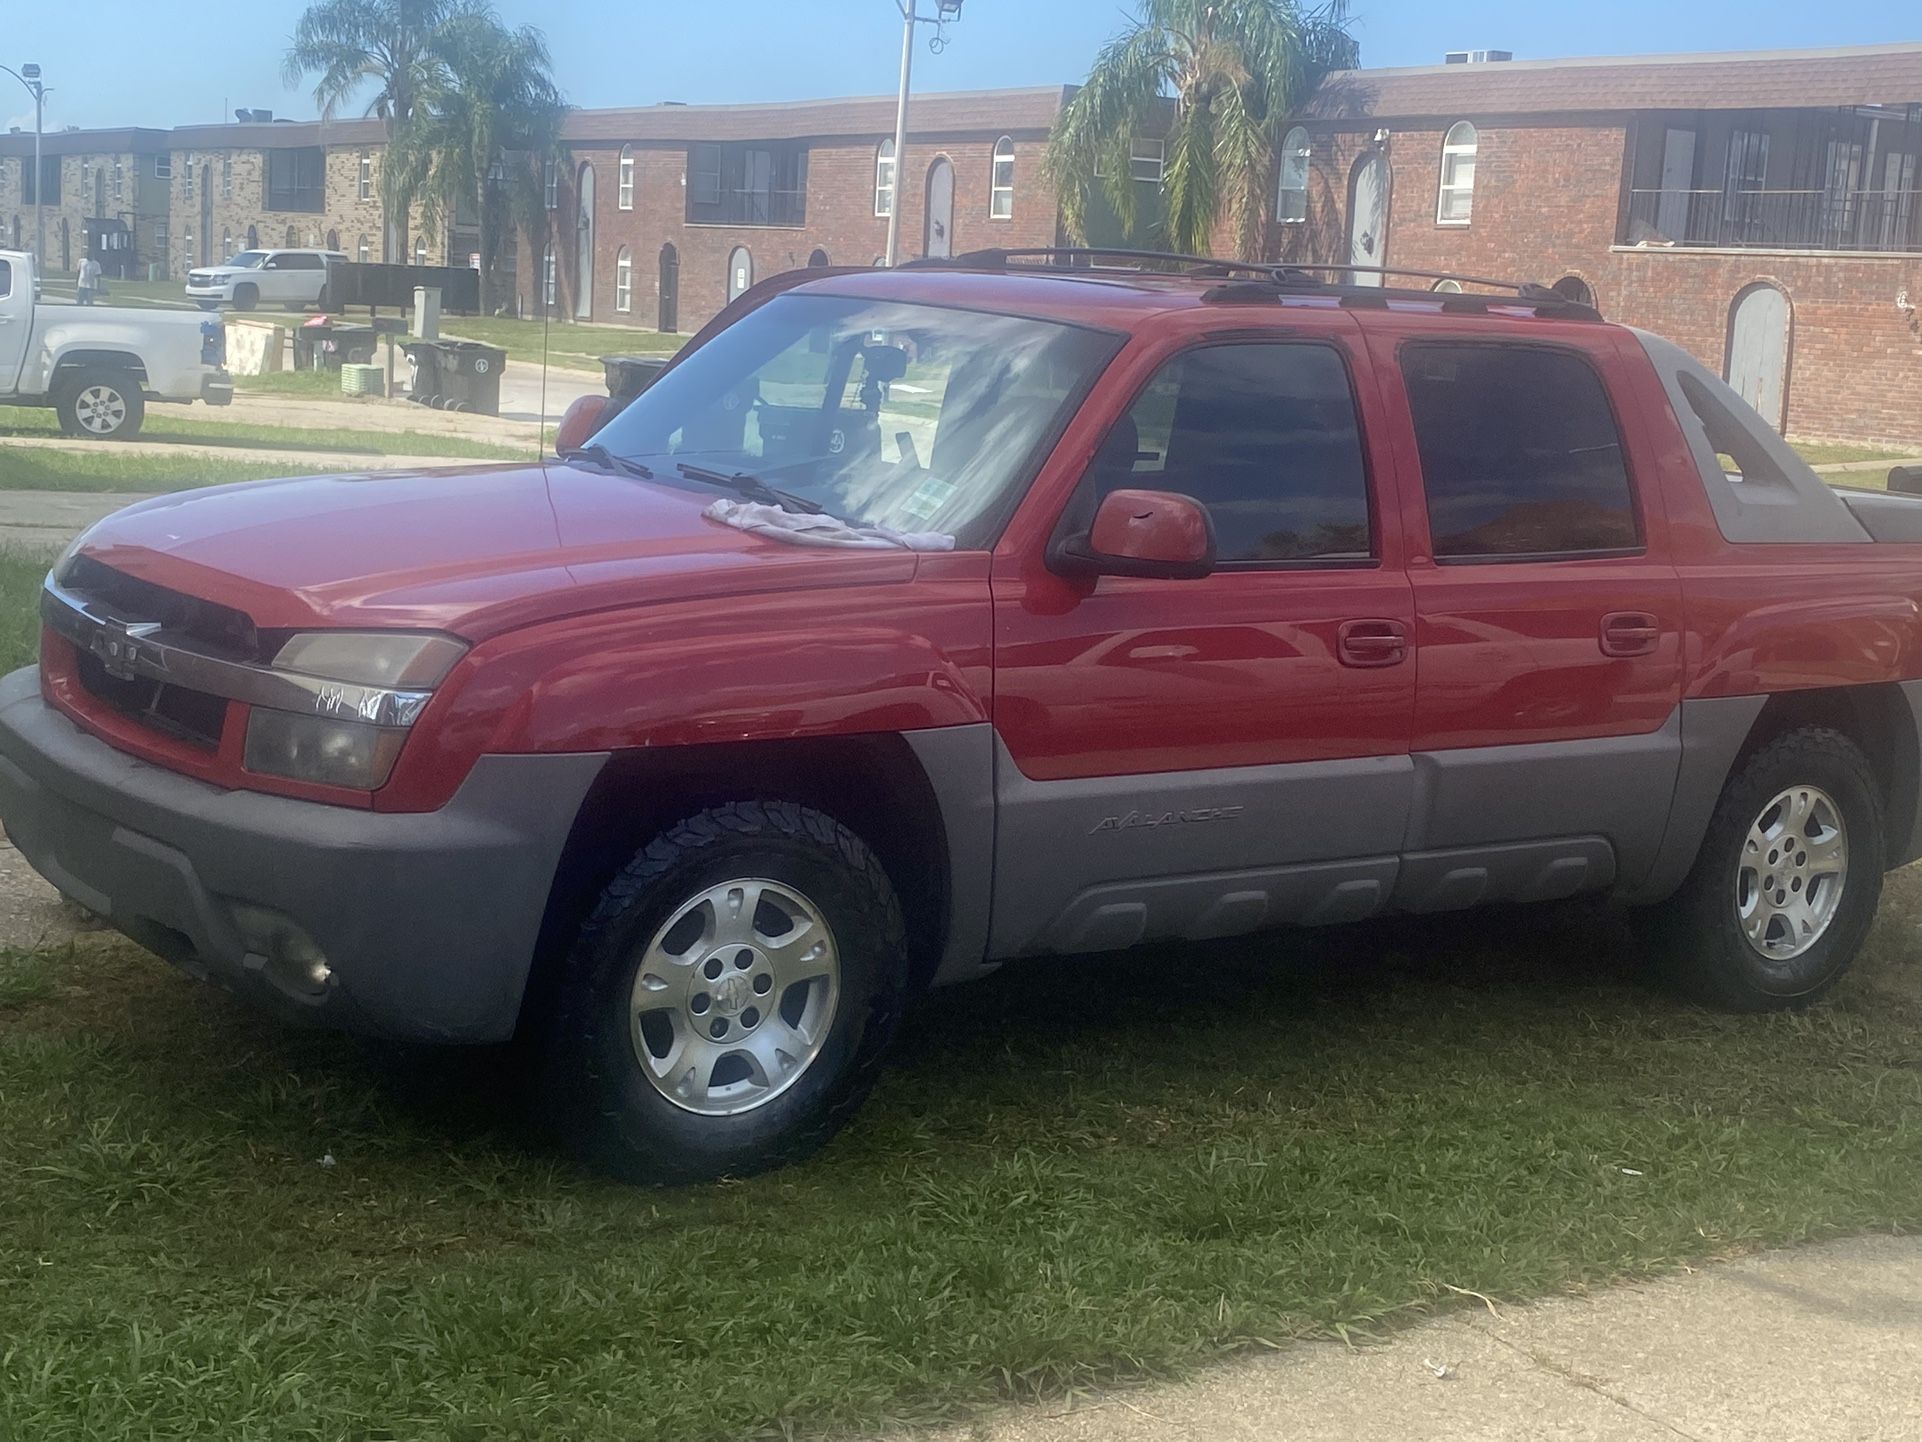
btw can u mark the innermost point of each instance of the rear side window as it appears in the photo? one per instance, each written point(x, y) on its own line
point(1520, 455)
point(1265, 436)
point(6, 279)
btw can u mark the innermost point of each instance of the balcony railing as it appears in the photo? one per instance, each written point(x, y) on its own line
point(1872, 220)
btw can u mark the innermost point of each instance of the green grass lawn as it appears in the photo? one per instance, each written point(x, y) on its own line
point(162, 425)
point(1823, 453)
point(30, 468)
point(58, 288)
point(568, 345)
point(22, 569)
point(1077, 1172)
point(309, 385)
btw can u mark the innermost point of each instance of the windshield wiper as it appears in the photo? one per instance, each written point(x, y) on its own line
point(754, 488)
point(601, 455)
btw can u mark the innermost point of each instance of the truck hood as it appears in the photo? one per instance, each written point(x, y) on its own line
point(473, 551)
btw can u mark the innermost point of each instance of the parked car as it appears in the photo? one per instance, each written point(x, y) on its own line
point(96, 367)
point(294, 279)
point(919, 622)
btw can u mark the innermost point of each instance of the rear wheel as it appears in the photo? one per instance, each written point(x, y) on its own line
point(728, 1004)
point(101, 405)
point(1787, 881)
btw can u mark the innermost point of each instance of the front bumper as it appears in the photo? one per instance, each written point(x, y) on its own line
point(427, 921)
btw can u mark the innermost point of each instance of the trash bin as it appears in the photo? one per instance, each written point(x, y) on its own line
point(324, 345)
point(424, 368)
point(470, 376)
point(628, 376)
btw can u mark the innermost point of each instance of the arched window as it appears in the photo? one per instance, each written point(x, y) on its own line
point(884, 179)
point(226, 244)
point(623, 281)
point(187, 248)
point(1448, 287)
point(291, 242)
point(1457, 200)
point(549, 282)
point(333, 239)
point(818, 260)
point(420, 250)
point(740, 271)
point(1291, 199)
point(364, 251)
point(626, 196)
point(1001, 181)
point(253, 237)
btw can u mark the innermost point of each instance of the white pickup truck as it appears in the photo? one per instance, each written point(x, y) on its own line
point(96, 366)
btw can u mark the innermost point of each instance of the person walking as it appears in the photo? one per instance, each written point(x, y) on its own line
point(87, 280)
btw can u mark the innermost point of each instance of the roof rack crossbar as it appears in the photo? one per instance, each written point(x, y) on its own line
point(997, 259)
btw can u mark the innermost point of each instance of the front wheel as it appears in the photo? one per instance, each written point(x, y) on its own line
point(100, 405)
point(1787, 881)
point(728, 1004)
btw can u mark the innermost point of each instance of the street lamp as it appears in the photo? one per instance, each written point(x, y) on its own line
point(29, 76)
point(944, 11)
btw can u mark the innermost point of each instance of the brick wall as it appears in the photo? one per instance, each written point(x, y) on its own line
point(840, 221)
point(77, 204)
point(226, 193)
point(1547, 201)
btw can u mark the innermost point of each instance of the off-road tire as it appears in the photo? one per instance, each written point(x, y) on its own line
point(1696, 938)
point(83, 389)
point(616, 1118)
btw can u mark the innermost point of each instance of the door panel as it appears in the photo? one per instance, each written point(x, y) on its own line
point(16, 322)
point(1368, 215)
point(1678, 181)
point(1209, 729)
point(1758, 351)
point(939, 240)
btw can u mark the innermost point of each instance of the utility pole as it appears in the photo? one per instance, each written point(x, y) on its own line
point(945, 10)
point(29, 76)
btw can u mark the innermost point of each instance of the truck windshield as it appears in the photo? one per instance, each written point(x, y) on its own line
point(913, 417)
point(248, 260)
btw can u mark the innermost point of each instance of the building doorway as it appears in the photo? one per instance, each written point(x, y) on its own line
point(939, 237)
point(740, 271)
point(584, 243)
point(1758, 351)
point(670, 289)
point(1368, 191)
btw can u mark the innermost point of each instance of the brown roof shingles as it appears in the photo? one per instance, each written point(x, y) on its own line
point(1813, 79)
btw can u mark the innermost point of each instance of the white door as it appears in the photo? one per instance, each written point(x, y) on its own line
point(940, 236)
point(1758, 351)
point(1678, 179)
point(16, 322)
point(1368, 215)
point(584, 259)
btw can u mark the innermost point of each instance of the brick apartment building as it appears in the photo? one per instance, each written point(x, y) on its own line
point(99, 175)
point(1764, 210)
point(662, 213)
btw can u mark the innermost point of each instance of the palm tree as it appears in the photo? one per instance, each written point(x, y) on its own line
point(395, 46)
point(1234, 70)
point(486, 122)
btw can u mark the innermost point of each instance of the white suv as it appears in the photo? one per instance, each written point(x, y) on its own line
point(295, 279)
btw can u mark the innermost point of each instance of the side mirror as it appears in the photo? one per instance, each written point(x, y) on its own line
point(578, 425)
point(1142, 533)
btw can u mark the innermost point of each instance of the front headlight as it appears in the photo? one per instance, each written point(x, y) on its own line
point(327, 749)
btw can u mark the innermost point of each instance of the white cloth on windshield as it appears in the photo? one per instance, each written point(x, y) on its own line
point(807, 530)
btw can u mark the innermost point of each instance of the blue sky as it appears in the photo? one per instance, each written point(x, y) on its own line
point(124, 62)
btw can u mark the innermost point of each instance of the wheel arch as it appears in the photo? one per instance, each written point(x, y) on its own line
point(86, 358)
point(1881, 718)
point(874, 784)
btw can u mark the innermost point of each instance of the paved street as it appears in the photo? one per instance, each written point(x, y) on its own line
point(1820, 1343)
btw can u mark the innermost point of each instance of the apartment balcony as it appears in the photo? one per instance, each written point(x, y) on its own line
point(1837, 221)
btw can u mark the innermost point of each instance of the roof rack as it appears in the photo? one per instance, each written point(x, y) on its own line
point(1256, 281)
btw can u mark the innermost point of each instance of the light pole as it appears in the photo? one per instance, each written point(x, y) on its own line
point(29, 76)
point(945, 10)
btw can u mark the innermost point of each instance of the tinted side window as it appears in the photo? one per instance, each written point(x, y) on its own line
point(1265, 436)
point(1519, 452)
point(6, 279)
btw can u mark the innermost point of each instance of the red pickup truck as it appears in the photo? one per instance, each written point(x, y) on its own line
point(915, 622)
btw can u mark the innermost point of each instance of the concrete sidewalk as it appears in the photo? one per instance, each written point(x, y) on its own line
point(1802, 1346)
